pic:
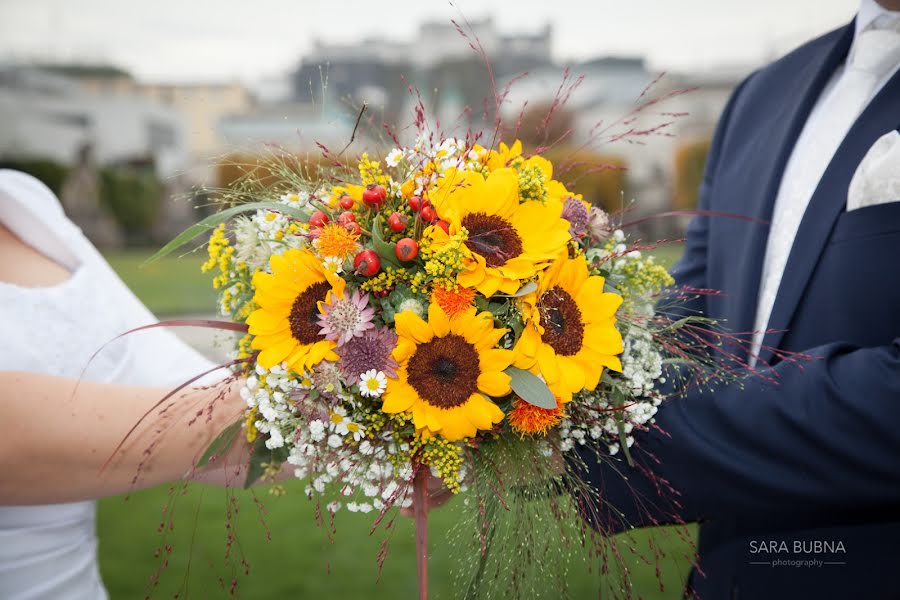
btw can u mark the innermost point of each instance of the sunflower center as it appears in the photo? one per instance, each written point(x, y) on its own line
point(492, 237)
point(444, 371)
point(561, 318)
point(305, 313)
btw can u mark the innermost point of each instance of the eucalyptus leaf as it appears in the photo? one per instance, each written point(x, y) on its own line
point(219, 445)
point(220, 217)
point(618, 400)
point(530, 388)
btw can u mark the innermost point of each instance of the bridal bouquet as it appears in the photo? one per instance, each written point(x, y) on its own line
point(449, 312)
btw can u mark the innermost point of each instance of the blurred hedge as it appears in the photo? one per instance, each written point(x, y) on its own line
point(51, 173)
point(133, 196)
point(600, 178)
point(690, 160)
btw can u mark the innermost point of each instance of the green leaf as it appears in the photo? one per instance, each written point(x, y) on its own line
point(618, 400)
point(387, 251)
point(260, 455)
point(527, 288)
point(530, 388)
point(220, 217)
point(675, 325)
point(219, 445)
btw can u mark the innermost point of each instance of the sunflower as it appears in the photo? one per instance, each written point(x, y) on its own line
point(285, 325)
point(570, 330)
point(449, 366)
point(508, 241)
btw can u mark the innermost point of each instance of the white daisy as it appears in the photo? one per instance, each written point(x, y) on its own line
point(394, 157)
point(372, 383)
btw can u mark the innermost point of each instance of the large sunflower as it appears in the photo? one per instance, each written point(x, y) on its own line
point(285, 325)
point(570, 330)
point(448, 368)
point(508, 241)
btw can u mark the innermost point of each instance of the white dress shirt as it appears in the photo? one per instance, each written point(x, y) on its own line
point(808, 161)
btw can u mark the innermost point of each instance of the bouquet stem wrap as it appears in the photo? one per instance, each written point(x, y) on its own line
point(420, 513)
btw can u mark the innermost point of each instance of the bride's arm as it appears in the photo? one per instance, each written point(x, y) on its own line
point(62, 440)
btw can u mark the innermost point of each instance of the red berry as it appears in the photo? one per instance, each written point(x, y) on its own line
point(415, 203)
point(374, 195)
point(319, 219)
point(353, 227)
point(397, 222)
point(367, 263)
point(407, 249)
point(428, 214)
point(346, 217)
point(346, 202)
point(444, 225)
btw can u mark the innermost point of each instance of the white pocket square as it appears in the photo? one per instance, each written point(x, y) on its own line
point(877, 178)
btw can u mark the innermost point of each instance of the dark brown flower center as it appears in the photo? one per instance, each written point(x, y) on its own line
point(444, 371)
point(305, 313)
point(493, 237)
point(561, 318)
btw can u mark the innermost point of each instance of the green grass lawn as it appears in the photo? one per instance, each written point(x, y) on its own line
point(297, 560)
point(170, 286)
point(300, 561)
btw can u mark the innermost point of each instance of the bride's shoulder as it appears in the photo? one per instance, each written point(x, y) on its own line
point(29, 192)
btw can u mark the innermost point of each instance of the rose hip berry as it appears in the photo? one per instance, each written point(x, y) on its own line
point(367, 263)
point(318, 219)
point(397, 222)
point(407, 249)
point(374, 195)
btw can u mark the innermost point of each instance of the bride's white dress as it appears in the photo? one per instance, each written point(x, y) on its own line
point(50, 552)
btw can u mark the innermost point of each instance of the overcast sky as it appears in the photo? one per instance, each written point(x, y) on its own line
point(214, 40)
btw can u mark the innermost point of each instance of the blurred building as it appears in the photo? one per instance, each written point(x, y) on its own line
point(379, 71)
point(50, 116)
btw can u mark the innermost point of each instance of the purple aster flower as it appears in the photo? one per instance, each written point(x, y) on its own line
point(346, 317)
point(371, 350)
point(576, 214)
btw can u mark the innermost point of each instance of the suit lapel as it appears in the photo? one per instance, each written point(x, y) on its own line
point(800, 94)
point(826, 205)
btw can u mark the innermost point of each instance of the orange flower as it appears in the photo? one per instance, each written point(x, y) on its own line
point(453, 300)
point(335, 241)
point(528, 419)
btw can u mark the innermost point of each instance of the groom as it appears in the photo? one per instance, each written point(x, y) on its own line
point(796, 483)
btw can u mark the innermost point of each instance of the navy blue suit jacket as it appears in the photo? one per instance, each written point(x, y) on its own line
point(817, 455)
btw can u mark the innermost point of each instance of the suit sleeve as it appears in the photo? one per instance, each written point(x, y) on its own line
point(820, 439)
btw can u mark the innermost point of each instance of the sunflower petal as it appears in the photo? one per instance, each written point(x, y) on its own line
point(409, 325)
point(494, 383)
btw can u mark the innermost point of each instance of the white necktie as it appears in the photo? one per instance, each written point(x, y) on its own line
point(875, 53)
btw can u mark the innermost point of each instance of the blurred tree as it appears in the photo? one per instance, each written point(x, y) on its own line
point(133, 195)
point(690, 160)
point(541, 125)
point(51, 173)
point(600, 178)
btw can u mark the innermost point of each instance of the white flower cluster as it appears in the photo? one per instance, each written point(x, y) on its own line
point(266, 233)
point(329, 448)
point(450, 153)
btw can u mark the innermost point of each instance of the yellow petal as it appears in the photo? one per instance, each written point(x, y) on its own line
point(494, 383)
point(398, 397)
point(409, 325)
point(273, 355)
point(438, 320)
